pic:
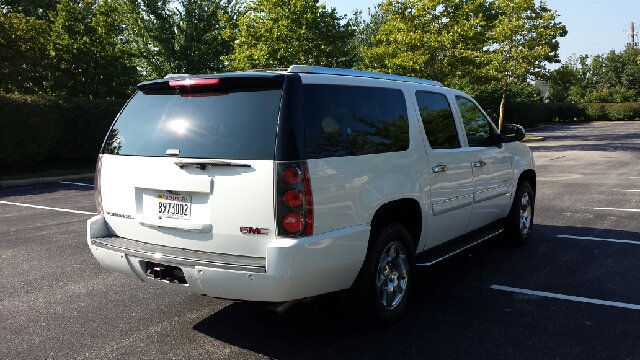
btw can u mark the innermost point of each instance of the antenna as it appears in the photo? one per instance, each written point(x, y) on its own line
point(632, 34)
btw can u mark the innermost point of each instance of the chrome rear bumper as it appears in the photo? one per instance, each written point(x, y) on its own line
point(179, 256)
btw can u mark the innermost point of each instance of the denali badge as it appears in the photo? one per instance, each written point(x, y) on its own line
point(247, 230)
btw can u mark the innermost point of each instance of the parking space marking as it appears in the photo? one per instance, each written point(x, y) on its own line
point(567, 297)
point(630, 190)
point(598, 239)
point(74, 183)
point(633, 210)
point(48, 208)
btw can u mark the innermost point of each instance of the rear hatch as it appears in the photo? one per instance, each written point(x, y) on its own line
point(189, 163)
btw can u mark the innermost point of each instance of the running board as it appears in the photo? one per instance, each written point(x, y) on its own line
point(458, 245)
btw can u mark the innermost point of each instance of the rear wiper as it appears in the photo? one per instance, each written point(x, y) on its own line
point(203, 163)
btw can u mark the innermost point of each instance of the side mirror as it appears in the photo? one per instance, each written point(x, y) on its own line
point(512, 132)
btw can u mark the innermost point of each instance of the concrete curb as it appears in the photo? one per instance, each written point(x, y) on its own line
point(44, 180)
point(533, 138)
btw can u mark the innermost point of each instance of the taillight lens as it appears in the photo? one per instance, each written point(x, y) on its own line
point(292, 198)
point(294, 208)
point(293, 223)
point(96, 184)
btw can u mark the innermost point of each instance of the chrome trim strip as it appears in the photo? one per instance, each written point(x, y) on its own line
point(461, 249)
point(491, 196)
point(181, 256)
point(452, 199)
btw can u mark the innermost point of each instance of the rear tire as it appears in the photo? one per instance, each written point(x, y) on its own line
point(519, 222)
point(380, 292)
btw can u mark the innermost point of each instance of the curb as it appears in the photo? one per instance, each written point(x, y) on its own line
point(534, 139)
point(44, 180)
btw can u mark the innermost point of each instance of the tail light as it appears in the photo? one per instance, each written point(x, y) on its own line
point(96, 183)
point(294, 199)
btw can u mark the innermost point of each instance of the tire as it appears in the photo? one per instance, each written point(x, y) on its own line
point(380, 292)
point(519, 222)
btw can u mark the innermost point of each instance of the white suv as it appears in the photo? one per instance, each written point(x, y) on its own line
point(283, 184)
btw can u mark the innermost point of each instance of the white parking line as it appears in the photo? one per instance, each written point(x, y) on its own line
point(567, 297)
point(598, 239)
point(73, 183)
point(633, 210)
point(47, 208)
point(631, 190)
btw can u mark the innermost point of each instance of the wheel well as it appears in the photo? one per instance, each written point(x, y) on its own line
point(404, 211)
point(530, 176)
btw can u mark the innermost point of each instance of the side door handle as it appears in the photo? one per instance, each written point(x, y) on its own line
point(479, 163)
point(439, 168)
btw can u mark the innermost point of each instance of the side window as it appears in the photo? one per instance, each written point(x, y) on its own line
point(438, 121)
point(354, 120)
point(475, 124)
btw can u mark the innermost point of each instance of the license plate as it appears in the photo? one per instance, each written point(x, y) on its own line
point(174, 206)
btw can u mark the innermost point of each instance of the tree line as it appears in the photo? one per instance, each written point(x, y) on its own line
point(491, 49)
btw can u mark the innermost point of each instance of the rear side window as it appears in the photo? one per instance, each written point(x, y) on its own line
point(230, 125)
point(354, 120)
point(438, 121)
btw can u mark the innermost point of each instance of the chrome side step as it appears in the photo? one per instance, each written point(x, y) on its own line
point(457, 245)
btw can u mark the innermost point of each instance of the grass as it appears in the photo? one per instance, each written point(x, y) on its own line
point(50, 173)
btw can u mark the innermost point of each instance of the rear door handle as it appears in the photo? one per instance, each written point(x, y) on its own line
point(479, 163)
point(439, 168)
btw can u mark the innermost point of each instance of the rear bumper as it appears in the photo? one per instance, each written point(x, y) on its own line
point(291, 269)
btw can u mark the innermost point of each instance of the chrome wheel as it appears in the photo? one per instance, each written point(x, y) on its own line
point(525, 214)
point(392, 275)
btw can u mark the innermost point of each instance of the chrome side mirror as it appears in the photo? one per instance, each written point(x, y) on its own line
point(512, 132)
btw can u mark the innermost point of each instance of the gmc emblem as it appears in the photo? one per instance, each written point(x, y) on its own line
point(247, 230)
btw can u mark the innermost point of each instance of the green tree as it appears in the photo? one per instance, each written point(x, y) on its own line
point(37, 9)
point(184, 36)
point(523, 40)
point(432, 39)
point(23, 53)
point(89, 57)
point(562, 81)
point(279, 33)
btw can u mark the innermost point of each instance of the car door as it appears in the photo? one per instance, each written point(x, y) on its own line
point(450, 173)
point(491, 164)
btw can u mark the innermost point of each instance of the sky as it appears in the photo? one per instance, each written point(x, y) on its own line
point(594, 26)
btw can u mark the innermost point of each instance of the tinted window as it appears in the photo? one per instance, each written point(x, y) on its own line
point(236, 125)
point(476, 125)
point(354, 120)
point(438, 121)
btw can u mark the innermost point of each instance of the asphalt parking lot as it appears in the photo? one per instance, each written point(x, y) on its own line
point(572, 293)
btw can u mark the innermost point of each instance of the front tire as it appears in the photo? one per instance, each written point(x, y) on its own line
point(519, 222)
point(380, 292)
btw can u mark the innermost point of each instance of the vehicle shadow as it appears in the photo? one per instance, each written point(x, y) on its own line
point(452, 312)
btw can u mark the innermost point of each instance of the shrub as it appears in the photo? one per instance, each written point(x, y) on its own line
point(615, 111)
point(37, 128)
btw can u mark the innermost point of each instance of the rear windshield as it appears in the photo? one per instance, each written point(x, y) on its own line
point(237, 125)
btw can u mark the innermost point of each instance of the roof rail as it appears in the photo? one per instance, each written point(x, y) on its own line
point(357, 73)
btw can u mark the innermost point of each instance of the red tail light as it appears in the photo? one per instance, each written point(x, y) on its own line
point(294, 208)
point(193, 82)
point(96, 184)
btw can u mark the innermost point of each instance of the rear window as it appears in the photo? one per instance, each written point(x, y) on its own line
point(234, 125)
point(354, 120)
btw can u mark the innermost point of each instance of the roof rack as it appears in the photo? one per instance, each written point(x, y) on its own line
point(357, 73)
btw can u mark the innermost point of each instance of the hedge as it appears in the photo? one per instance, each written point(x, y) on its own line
point(532, 114)
point(37, 128)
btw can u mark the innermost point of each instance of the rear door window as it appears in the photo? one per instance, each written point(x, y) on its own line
point(354, 120)
point(230, 125)
point(437, 118)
